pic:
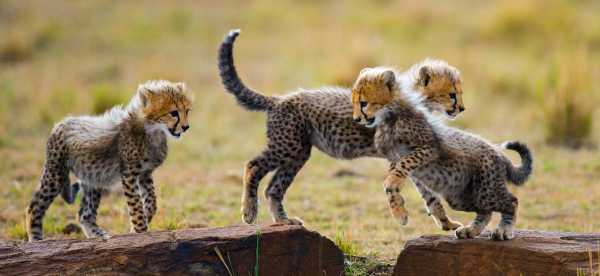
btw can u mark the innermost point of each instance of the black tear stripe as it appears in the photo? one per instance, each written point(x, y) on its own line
point(178, 116)
point(175, 127)
point(363, 113)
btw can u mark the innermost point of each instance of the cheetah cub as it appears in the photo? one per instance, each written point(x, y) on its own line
point(467, 171)
point(321, 118)
point(124, 144)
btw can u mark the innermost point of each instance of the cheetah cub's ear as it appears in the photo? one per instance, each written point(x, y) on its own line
point(146, 95)
point(381, 75)
point(425, 75)
point(389, 79)
point(181, 87)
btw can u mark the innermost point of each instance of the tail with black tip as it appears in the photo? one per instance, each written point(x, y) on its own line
point(518, 175)
point(230, 79)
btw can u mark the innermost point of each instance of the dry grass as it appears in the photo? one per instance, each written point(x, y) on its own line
point(568, 98)
point(113, 46)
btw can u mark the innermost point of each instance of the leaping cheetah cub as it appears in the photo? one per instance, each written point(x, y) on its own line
point(467, 171)
point(322, 118)
point(125, 144)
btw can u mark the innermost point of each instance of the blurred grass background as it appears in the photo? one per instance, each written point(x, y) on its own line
point(529, 70)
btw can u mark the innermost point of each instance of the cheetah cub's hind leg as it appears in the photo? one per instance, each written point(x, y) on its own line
point(475, 228)
point(393, 185)
point(276, 190)
point(88, 211)
point(54, 178)
point(505, 228)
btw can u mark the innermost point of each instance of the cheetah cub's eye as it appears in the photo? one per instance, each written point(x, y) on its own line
point(452, 95)
point(363, 104)
point(174, 113)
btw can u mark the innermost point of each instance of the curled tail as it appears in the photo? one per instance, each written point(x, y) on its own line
point(518, 175)
point(230, 79)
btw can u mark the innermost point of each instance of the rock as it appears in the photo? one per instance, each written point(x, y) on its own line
point(283, 250)
point(530, 253)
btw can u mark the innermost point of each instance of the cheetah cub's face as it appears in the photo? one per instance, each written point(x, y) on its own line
point(441, 86)
point(437, 83)
point(166, 106)
point(374, 88)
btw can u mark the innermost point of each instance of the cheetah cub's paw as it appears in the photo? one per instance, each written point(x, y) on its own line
point(105, 236)
point(467, 232)
point(249, 211)
point(290, 221)
point(94, 232)
point(502, 233)
point(451, 225)
point(400, 214)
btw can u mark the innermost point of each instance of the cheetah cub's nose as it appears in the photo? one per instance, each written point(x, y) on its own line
point(185, 128)
point(461, 109)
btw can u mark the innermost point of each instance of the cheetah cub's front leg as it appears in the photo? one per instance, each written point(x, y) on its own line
point(398, 172)
point(148, 195)
point(393, 185)
point(435, 208)
point(130, 176)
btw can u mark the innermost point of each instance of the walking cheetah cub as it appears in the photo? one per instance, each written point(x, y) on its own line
point(467, 171)
point(321, 118)
point(125, 144)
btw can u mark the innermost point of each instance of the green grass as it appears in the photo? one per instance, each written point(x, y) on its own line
point(347, 246)
point(90, 46)
point(18, 231)
point(368, 265)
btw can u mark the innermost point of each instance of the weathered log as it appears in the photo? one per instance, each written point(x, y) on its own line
point(282, 250)
point(530, 253)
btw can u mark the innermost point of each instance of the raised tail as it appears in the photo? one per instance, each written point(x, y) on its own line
point(518, 175)
point(230, 79)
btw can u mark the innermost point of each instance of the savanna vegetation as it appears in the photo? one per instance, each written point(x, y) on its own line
point(530, 71)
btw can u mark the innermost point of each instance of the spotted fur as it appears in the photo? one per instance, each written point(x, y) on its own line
point(444, 162)
point(440, 91)
point(124, 144)
point(295, 123)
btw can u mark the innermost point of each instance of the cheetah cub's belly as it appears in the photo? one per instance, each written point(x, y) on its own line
point(99, 171)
